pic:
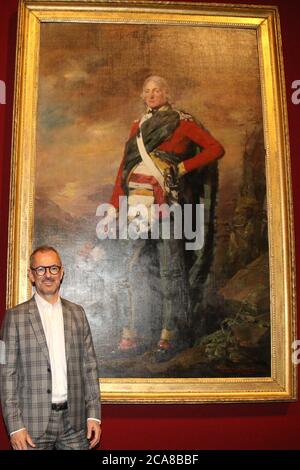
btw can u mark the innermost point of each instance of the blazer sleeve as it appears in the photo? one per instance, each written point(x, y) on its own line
point(211, 148)
point(9, 374)
point(91, 374)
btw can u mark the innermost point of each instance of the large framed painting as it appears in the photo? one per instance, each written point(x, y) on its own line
point(151, 149)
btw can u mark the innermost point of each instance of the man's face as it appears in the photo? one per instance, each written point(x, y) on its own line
point(48, 284)
point(154, 96)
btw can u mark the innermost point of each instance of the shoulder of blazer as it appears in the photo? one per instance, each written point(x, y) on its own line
point(24, 307)
point(71, 305)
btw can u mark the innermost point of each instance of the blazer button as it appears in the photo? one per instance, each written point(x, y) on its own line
point(48, 391)
point(49, 370)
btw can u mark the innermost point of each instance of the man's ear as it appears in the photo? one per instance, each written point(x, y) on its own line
point(30, 276)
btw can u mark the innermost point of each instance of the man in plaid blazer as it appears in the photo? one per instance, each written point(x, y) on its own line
point(49, 378)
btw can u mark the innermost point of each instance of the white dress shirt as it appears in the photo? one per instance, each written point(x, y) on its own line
point(53, 324)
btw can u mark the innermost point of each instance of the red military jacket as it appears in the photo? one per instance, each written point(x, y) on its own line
point(187, 131)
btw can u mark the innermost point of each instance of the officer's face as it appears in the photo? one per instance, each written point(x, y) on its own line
point(154, 96)
point(47, 285)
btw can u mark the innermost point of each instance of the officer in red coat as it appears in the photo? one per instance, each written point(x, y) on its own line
point(164, 140)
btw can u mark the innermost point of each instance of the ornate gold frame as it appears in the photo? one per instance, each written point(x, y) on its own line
point(281, 386)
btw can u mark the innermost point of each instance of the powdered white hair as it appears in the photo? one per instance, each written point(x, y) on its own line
point(160, 82)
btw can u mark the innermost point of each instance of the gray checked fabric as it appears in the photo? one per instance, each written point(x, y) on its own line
point(60, 435)
point(26, 375)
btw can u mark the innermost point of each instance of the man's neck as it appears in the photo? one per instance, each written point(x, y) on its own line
point(51, 298)
point(162, 107)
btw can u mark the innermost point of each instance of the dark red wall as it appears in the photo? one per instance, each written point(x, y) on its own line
point(234, 426)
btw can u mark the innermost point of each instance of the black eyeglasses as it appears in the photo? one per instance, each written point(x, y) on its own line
point(41, 270)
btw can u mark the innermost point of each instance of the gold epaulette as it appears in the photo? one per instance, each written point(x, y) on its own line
point(184, 116)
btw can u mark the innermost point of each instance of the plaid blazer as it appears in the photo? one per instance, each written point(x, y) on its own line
point(25, 378)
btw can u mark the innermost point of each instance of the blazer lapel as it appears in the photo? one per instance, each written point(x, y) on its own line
point(67, 315)
point(37, 326)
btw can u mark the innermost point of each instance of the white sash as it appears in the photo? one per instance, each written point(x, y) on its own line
point(146, 157)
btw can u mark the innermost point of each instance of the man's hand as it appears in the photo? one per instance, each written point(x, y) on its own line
point(172, 184)
point(20, 439)
point(93, 432)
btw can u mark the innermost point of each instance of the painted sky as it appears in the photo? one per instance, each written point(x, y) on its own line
point(90, 81)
